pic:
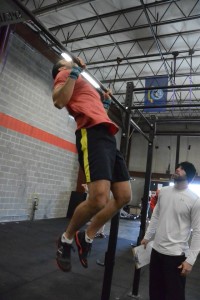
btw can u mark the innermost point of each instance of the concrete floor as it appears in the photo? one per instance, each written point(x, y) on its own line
point(28, 270)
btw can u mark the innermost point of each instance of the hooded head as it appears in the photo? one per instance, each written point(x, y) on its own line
point(189, 170)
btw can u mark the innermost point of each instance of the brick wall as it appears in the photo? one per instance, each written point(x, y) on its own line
point(37, 153)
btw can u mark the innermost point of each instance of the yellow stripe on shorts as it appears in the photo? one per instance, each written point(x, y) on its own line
point(84, 148)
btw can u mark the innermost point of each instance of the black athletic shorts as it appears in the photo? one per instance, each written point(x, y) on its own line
point(98, 155)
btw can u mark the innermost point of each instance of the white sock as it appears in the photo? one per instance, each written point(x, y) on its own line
point(87, 239)
point(66, 240)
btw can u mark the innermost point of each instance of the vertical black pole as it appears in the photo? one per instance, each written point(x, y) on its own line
point(145, 200)
point(110, 258)
point(126, 119)
point(110, 254)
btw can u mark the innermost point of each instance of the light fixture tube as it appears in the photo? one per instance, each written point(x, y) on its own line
point(90, 79)
point(84, 74)
point(66, 56)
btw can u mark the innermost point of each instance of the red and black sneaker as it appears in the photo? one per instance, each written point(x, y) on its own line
point(84, 248)
point(63, 256)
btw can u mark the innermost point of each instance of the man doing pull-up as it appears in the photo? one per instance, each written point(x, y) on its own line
point(102, 163)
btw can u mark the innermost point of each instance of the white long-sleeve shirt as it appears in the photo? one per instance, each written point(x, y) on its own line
point(176, 213)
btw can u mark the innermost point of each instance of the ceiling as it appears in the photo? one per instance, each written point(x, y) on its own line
point(125, 41)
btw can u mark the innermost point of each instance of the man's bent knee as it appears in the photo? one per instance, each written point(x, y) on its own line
point(97, 203)
point(122, 192)
point(99, 193)
point(123, 200)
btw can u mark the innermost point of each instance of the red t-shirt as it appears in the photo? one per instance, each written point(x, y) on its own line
point(85, 104)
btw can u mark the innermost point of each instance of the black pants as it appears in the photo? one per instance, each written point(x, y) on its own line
point(166, 283)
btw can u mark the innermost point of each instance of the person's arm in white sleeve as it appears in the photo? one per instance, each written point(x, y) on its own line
point(195, 240)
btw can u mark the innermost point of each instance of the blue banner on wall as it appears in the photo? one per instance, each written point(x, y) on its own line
point(156, 96)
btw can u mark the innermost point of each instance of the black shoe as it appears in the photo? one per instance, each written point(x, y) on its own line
point(63, 256)
point(84, 248)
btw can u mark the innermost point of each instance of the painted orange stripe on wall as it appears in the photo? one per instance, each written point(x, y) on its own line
point(36, 133)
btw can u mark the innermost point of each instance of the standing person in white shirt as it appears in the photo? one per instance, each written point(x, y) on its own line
point(177, 213)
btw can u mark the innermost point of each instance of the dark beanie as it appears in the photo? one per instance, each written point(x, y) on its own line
point(189, 170)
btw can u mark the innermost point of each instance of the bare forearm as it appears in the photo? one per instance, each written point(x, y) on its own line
point(62, 94)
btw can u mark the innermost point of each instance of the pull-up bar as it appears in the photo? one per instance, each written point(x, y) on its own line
point(165, 106)
point(168, 87)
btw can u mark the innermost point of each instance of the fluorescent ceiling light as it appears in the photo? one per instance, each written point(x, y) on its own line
point(66, 56)
point(90, 79)
point(84, 74)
